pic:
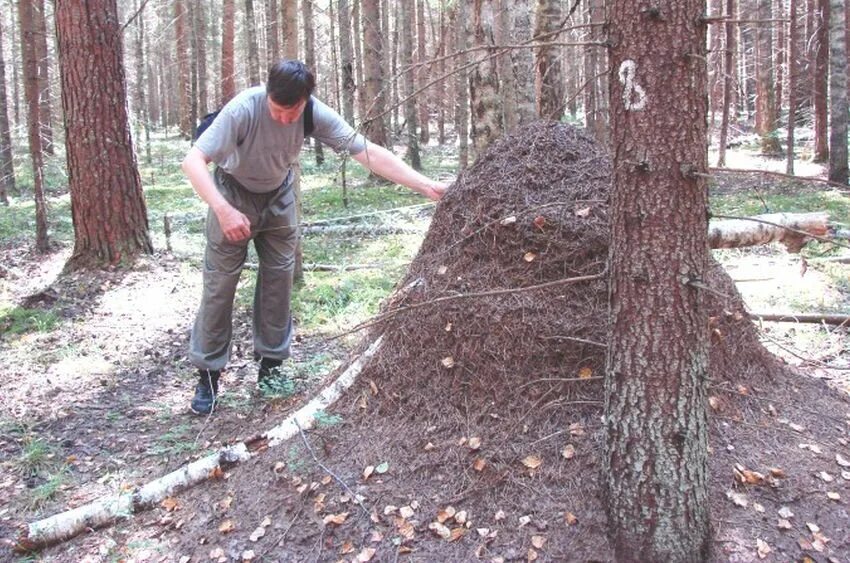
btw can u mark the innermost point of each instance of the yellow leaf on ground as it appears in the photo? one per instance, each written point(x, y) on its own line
point(538, 541)
point(445, 514)
point(457, 533)
point(170, 504)
point(479, 464)
point(347, 547)
point(532, 462)
point(529, 256)
point(585, 373)
point(532, 555)
point(368, 471)
point(569, 451)
point(335, 518)
point(226, 526)
point(570, 519)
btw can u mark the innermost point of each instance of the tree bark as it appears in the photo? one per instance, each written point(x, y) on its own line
point(252, 48)
point(310, 61)
point(184, 73)
point(820, 84)
point(29, 54)
point(374, 123)
point(728, 74)
point(423, 75)
point(522, 60)
point(793, 73)
point(272, 32)
point(549, 84)
point(346, 60)
point(484, 94)
point(141, 103)
point(7, 169)
point(507, 80)
point(200, 47)
point(460, 15)
point(359, 74)
point(45, 113)
point(408, 21)
point(766, 83)
point(837, 93)
point(289, 28)
point(228, 39)
point(107, 204)
point(655, 470)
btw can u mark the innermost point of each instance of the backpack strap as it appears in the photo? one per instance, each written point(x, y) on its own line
point(204, 124)
point(308, 117)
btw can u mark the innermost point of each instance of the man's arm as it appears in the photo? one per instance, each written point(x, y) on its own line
point(384, 163)
point(234, 224)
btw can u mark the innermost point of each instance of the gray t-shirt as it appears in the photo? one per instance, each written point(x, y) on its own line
point(249, 145)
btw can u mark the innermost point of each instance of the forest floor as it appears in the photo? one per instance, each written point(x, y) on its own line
point(95, 386)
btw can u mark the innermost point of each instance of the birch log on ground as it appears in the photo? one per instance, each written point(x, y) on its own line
point(107, 510)
point(793, 230)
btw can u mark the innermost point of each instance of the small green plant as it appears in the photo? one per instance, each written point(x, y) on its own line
point(178, 440)
point(37, 455)
point(326, 420)
point(47, 490)
point(20, 320)
point(280, 387)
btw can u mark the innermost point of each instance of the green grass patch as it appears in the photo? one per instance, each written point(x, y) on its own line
point(326, 420)
point(176, 441)
point(751, 203)
point(20, 320)
point(329, 301)
point(48, 490)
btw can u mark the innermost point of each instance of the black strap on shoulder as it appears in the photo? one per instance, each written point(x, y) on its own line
point(204, 124)
point(308, 117)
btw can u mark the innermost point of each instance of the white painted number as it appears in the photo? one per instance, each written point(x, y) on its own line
point(634, 96)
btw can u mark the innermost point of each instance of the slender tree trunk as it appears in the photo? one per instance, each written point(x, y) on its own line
point(408, 21)
point(335, 67)
point(441, 98)
point(821, 82)
point(728, 75)
point(461, 13)
point(655, 470)
point(184, 72)
point(550, 91)
point(272, 32)
point(346, 62)
point(507, 81)
point(289, 28)
point(766, 83)
point(373, 74)
point(487, 121)
point(45, 112)
point(252, 48)
point(359, 80)
point(522, 60)
point(29, 53)
point(7, 169)
point(779, 44)
point(107, 204)
point(310, 59)
point(394, 63)
point(200, 39)
point(141, 104)
point(837, 92)
point(191, 21)
point(16, 56)
point(423, 75)
point(792, 85)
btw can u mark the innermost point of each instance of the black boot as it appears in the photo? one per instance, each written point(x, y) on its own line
point(269, 370)
point(206, 392)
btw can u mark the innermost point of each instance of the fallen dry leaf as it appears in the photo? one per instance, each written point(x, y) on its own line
point(776, 472)
point(279, 467)
point(248, 555)
point(826, 477)
point(738, 498)
point(216, 473)
point(532, 462)
point(531, 555)
point(833, 496)
point(390, 509)
point(783, 524)
point(508, 221)
point(714, 402)
point(529, 256)
point(524, 520)
point(170, 504)
point(812, 448)
point(762, 548)
point(429, 446)
point(216, 553)
point(585, 373)
point(442, 270)
point(500, 515)
point(335, 518)
point(366, 554)
point(576, 429)
point(538, 541)
point(448, 362)
point(446, 514)
point(257, 534)
point(474, 443)
point(456, 534)
point(406, 530)
point(448, 327)
point(583, 212)
point(842, 461)
point(814, 528)
point(845, 475)
point(757, 507)
point(406, 511)
point(482, 532)
point(479, 464)
point(785, 512)
point(570, 519)
point(347, 547)
point(227, 526)
point(373, 387)
point(569, 451)
point(539, 222)
point(368, 471)
point(461, 517)
point(440, 530)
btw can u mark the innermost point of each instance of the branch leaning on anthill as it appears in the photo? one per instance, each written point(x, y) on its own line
point(389, 314)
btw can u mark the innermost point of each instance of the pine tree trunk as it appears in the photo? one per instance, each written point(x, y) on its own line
point(289, 28)
point(359, 79)
point(29, 54)
point(373, 74)
point(394, 50)
point(423, 73)
point(655, 469)
point(45, 113)
point(200, 38)
point(507, 81)
point(792, 85)
point(272, 32)
point(549, 85)
point(228, 40)
point(487, 120)
point(408, 79)
point(522, 60)
point(141, 103)
point(191, 20)
point(442, 97)
point(729, 73)
point(821, 82)
point(461, 13)
point(252, 48)
point(766, 83)
point(107, 204)
point(837, 92)
point(184, 72)
point(310, 61)
point(16, 78)
point(7, 169)
point(346, 60)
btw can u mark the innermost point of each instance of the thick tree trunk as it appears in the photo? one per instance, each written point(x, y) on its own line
point(289, 28)
point(460, 15)
point(655, 471)
point(272, 32)
point(549, 84)
point(821, 82)
point(793, 73)
point(228, 38)
point(522, 60)
point(837, 92)
point(766, 83)
point(29, 54)
point(252, 51)
point(408, 34)
point(374, 122)
point(484, 94)
point(7, 169)
point(728, 75)
point(107, 204)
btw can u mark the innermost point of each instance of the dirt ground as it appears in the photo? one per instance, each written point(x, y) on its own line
point(111, 390)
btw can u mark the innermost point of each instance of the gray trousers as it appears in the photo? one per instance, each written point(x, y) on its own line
point(274, 230)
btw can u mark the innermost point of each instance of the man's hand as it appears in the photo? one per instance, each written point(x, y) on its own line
point(234, 224)
point(436, 191)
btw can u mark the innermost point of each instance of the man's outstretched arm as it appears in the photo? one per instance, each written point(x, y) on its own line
point(234, 224)
point(384, 163)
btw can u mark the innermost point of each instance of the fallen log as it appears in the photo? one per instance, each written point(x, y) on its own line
point(361, 229)
point(837, 320)
point(793, 230)
point(107, 510)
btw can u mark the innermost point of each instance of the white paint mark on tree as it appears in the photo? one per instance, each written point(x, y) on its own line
point(634, 96)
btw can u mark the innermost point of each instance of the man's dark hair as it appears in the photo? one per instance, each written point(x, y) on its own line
point(289, 82)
